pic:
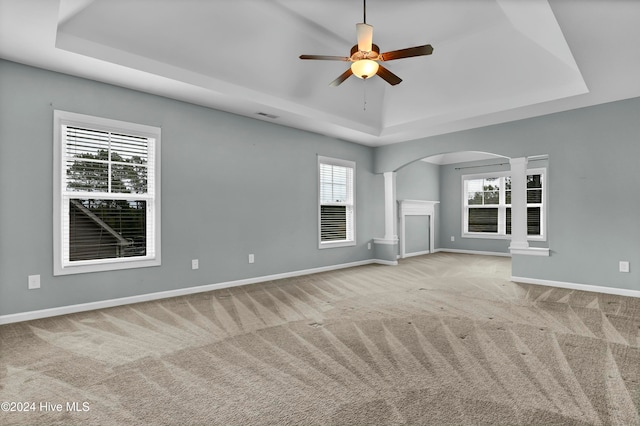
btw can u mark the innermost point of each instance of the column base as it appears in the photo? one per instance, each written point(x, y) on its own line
point(530, 251)
point(386, 250)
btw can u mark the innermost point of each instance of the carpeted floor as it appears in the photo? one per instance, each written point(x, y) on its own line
point(439, 339)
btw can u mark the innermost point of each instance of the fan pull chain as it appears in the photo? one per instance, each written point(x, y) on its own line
point(364, 95)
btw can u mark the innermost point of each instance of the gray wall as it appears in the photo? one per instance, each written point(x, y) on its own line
point(230, 186)
point(419, 181)
point(227, 190)
point(593, 180)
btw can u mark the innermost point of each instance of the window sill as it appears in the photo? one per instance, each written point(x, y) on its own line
point(498, 237)
point(88, 266)
point(334, 244)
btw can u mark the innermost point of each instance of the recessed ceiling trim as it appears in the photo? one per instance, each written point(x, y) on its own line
point(496, 61)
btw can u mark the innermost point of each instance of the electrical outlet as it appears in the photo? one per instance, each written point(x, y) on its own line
point(195, 264)
point(34, 282)
point(623, 266)
point(368, 246)
point(453, 238)
point(252, 258)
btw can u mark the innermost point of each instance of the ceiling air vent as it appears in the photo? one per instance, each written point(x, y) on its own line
point(264, 114)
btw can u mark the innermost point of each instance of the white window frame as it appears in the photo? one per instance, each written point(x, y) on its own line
point(351, 202)
point(61, 265)
point(502, 206)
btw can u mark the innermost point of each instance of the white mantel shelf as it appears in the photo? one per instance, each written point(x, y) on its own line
point(417, 207)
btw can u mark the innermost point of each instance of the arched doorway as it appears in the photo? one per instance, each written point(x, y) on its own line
point(418, 195)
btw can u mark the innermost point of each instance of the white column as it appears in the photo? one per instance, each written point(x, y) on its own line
point(390, 208)
point(519, 204)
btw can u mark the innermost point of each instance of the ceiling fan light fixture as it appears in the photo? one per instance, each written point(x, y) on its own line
point(364, 68)
point(364, 56)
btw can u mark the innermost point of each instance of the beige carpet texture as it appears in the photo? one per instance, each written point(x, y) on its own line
point(440, 339)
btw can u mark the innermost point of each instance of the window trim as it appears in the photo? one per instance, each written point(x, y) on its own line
point(342, 163)
point(61, 118)
point(497, 236)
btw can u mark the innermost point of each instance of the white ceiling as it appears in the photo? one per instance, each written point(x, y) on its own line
point(494, 60)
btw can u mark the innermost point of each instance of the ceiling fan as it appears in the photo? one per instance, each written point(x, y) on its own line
point(365, 55)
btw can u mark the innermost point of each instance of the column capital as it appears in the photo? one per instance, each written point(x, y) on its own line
point(518, 161)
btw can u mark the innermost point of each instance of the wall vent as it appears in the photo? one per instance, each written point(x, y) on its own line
point(264, 114)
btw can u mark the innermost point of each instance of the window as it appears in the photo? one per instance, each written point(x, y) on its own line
point(487, 205)
point(106, 194)
point(336, 202)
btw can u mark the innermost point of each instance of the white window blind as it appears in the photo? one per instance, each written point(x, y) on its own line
point(106, 194)
point(106, 162)
point(336, 202)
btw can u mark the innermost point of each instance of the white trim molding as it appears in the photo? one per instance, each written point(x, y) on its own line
point(478, 252)
point(386, 262)
point(503, 207)
point(580, 287)
point(63, 263)
point(326, 168)
point(416, 253)
point(416, 208)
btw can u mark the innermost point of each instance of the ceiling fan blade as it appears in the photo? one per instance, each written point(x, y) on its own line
point(325, 57)
point(345, 75)
point(409, 52)
point(388, 76)
point(365, 37)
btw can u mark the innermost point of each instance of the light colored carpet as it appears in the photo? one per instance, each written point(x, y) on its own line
point(439, 339)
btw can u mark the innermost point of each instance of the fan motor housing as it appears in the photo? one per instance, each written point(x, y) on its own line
point(357, 55)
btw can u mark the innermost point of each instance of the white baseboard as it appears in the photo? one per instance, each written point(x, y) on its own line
point(386, 262)
point(82, 307)
point(416, 253)
point(483, 253)
point(581, 287)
